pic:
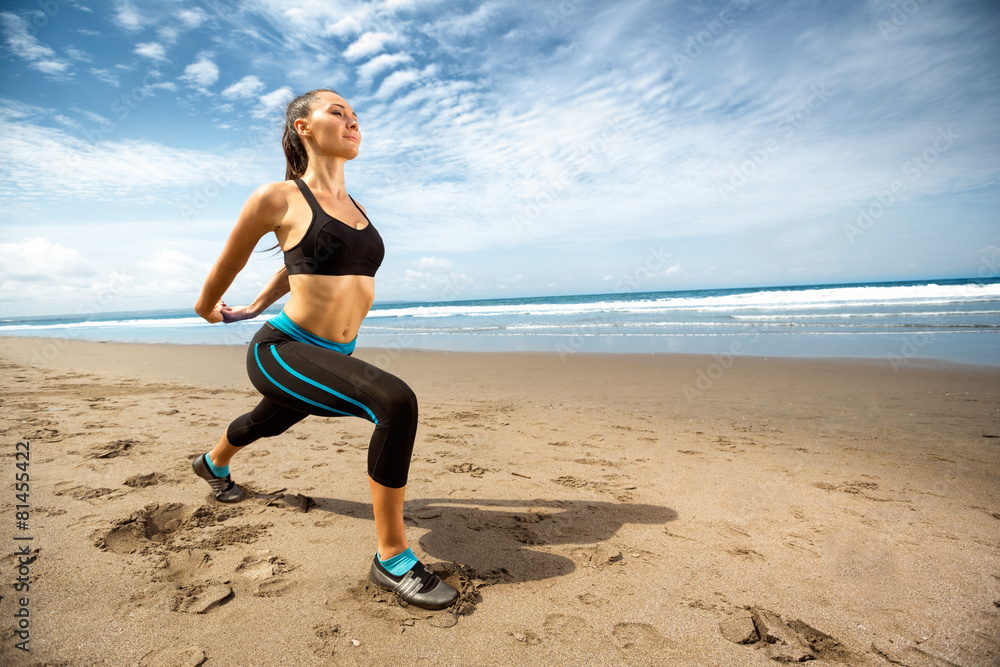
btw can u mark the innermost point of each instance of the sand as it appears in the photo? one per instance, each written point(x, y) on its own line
point(592, 509)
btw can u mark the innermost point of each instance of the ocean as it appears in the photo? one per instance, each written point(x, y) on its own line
point(951, 320)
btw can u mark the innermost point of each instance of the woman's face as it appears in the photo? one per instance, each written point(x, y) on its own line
point(332, 127)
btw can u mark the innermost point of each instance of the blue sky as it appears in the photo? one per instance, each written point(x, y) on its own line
point(509, 148)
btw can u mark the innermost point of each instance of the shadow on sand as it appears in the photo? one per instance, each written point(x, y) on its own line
point(509, 541)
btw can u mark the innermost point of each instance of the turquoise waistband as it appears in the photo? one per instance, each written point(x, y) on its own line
point(284, 324)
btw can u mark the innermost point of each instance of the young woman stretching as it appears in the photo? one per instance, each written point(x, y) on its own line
point(300, 360)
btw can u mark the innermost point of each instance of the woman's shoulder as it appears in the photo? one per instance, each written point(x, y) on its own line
point(268, 204)
point(276, 190)
point(273, 196)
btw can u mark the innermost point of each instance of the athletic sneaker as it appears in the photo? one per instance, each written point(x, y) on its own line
point(416, 586)
point(223, 488)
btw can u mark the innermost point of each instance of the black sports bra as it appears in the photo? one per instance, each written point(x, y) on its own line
point(334, 248)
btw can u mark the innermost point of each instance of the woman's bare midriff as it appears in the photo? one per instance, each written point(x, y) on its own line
point(330, 307)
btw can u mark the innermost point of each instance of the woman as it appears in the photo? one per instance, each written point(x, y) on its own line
point(301, 360)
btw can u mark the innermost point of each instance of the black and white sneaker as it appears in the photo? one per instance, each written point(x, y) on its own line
point(416, 586)
point(223, 488)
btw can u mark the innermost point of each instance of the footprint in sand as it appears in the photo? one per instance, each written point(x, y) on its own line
point(43, 435)
point(81, 492)
point(201, 598)
point(565, 627)
point(749, 554)
point(640, 638)
point(468, 468)
point(151, 525)
point(175, 526)
point(183, 566)
point(115, 449)
point(526, 637)
point(149, 479)
point(263, 571)
point(572, 482)
point(598, 556)
point(328, 635)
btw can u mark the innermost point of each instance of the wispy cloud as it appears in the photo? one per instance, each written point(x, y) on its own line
point(102, 166)
point(368, 44)
point(25, 45)
point(380, 64)
point(106, 75)
point(126, 16)
point(192, 18)
point(400, 79)
point(247, 87)
point(272, 102)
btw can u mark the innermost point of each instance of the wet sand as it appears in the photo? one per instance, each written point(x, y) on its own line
point(592, 509)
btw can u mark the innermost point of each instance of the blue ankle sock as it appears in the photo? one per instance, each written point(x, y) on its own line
point(218, 471)
point(400, 563)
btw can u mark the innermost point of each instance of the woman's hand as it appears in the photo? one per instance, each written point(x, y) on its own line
point(238, 313)
point(216, 314)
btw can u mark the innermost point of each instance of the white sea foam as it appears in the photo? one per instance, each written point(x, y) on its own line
point(862, 309)
point(836, 298)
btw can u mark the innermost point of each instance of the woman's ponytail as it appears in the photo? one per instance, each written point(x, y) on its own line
point(296, 157)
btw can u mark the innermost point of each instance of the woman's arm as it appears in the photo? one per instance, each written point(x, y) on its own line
point(275, 288)
point(262, 213)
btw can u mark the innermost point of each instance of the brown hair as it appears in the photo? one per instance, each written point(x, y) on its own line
point(296, 158)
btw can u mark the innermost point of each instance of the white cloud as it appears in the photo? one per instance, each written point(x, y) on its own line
point(273, 101)
point(25, 45)
point(380, 64)
point(192, 18)
point(168, 34)
point(433, 277)
point(77, 54)
point(126, 16)
point(368, 44)
point(399, 79)
point(105, 167)
point(106, 75)
point(433, 264)
point(201, 74)
point(51, 67)
point(248, 86)
point(152, 50)
point(64, 120)
point(346, 25)
point(466, 25)
point(37, 260)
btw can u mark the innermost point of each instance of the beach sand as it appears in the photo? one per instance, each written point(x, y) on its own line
point(592, 509)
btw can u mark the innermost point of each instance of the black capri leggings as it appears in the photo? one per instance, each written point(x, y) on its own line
point(299, 379)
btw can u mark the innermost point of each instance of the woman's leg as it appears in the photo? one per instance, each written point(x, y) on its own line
point(301, 378)
point(307, 379)
point(387, 504)
point(223, 452)
point(265, 420)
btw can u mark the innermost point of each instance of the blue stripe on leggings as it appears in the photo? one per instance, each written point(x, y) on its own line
point(323, 387)
point(289, 391)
